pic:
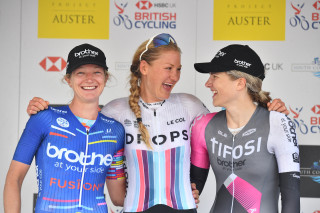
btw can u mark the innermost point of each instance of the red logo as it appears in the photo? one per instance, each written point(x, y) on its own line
point(144, 5)
point(317, 5)
point(54, 64)
point(316, 109)
point(316, 212)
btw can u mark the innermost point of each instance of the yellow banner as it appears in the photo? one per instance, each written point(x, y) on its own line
point(249, 20)
point(75, 19)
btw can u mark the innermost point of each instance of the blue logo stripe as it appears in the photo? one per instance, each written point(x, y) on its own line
point(151, 178)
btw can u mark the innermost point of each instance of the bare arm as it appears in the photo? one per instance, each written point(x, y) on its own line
point(12, 187)
point(117, 190)
point(278, 105)
point(37, 104)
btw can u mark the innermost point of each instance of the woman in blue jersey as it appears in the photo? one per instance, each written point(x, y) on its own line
point(157, 126)
point(77, 149)
point(253, 152)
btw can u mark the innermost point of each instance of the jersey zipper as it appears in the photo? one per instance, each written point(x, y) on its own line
point(233, 137)
point(156, 123)
point(84, 168)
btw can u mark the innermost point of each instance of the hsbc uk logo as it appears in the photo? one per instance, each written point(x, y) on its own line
point(53, 64)
point(305, 127)
point(144, 5)
point(316, 109)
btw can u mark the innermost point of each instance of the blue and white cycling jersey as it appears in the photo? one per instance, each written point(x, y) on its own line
point(72, 161)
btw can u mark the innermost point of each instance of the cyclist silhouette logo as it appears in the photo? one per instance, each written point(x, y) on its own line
point(120, 7)
point(121, 18)
point(297, 19)
point(299, 124)
point(297, 112)
point(298, 8)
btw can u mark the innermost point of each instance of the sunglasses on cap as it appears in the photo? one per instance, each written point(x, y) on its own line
point(159, 40)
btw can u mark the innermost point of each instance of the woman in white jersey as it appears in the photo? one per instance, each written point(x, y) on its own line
point(253, 152)
point(157, 126)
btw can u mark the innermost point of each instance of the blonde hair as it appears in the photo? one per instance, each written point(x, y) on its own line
point(254, 85)
point(153, 53)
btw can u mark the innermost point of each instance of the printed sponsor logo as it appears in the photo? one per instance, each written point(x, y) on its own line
point(294, 175)
point(67, 19)
point(86, 53)
point(53, 64)
point(74, 157)
point(249, 132)
point(222, 133)
point(316, 109)
point(39, 179)
point(289, 129)
point(127, 122)
point(105, 120)
point(62, 122)
point(305, 125)
point(305, 20)
point(173, 136)
point(58, 111)
point(220, 54)
point(156, 15)
point(75, 184)
point(249, 20)
point(313, 67)
point(310, 171)
point(242, 63)
point(144, 5)
point(236, 165)
point(295, 157)
point(238, 151)
point(175, 121)
point(276, 66)
point(122, 66)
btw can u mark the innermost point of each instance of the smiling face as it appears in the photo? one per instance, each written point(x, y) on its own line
point(87, 82)
point(224, 89)
point(160, 76)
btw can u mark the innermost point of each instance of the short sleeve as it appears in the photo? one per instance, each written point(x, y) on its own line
point(194, 106)
point(199, 152)
point(33, 134)
point(282, 142)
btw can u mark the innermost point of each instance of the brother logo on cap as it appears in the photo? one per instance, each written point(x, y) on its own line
point(85, 53)
point(242, 63)
point(220, 54)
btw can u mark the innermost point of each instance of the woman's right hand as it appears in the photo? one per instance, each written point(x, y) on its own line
point(37, 104)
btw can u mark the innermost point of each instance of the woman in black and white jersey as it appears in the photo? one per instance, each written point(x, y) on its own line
point(253, 152)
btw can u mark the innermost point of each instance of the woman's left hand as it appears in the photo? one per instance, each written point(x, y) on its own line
point(278, 105)
point(195, 193)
